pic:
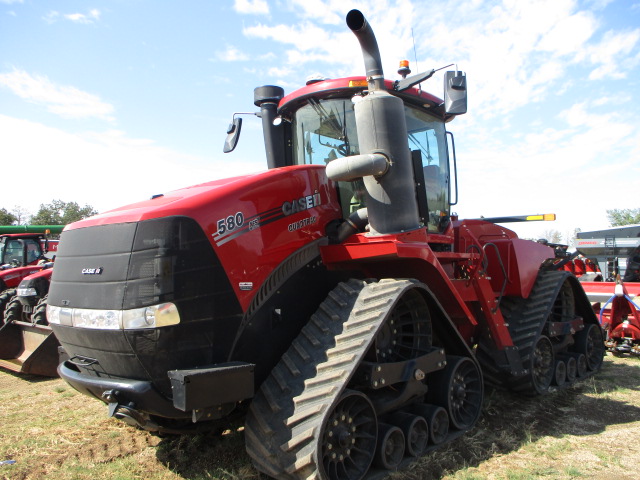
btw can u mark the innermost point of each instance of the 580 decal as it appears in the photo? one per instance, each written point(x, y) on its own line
point(230, 223)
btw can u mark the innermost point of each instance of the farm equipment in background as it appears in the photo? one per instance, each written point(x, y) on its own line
point(27, 344)
point(616, 250)
point(22, 253)
point(617, 306)
point(334, 302)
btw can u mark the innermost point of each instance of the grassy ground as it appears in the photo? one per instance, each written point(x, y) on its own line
point(589, 431)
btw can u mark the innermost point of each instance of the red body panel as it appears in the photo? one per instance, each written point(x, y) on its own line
point(455, 277)
point(253, 222)
point(13, 276)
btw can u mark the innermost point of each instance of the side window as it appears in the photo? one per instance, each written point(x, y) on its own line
point(324, 130)
point(33, 251)
point(427, 135)
point(13, 253)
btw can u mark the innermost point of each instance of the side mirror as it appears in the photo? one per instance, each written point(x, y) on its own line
point(233, 134)
point(455, 93)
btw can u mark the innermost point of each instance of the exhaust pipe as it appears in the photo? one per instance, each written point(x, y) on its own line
point(382, 134)
point(370, 51)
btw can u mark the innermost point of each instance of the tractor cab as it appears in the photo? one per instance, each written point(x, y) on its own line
point(324, 129)
point(20, 250)
point(316, 125)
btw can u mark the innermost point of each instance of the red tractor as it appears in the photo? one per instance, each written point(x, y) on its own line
point(334, 301)
point(22, 252)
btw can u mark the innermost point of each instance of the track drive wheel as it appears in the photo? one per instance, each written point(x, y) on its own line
point(458, 388)
point(589, 341)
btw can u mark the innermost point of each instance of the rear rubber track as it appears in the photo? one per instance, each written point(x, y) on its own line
point(285, 423)
point(526, 319)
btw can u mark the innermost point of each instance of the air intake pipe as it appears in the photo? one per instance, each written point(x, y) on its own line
point(382, 131)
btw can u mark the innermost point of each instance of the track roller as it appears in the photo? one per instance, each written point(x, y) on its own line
point(560, 373)
point(438, 420)
point(572, 367)
point(415, 430)
point(390, 447)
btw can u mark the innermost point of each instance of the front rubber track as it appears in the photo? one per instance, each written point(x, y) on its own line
point(285, 423)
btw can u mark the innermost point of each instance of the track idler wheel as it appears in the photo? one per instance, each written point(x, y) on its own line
point(458, 388)
point(542, 364)
point(390, 447)
point(438, 420)
point(589, 341)
point(349, 439)
point(415, 430)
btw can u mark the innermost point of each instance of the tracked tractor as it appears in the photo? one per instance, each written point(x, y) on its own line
point(334, 302)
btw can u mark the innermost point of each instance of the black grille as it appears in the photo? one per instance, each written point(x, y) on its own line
point(154, 261)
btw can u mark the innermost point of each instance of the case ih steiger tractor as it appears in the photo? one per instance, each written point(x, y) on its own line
point(332, 301)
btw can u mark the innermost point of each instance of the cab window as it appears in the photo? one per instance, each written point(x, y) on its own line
point(427, 135)
point(324, 130)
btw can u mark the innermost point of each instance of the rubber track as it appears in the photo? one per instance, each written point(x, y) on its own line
point(526, 319)
point(284, 425)
point(529, 321)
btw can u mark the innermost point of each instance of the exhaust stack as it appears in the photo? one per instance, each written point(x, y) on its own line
point(382, 131)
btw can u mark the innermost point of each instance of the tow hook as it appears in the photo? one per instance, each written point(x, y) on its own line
point(126, 413)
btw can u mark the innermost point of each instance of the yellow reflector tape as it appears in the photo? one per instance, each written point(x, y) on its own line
point(547, 217)
point(358, 83)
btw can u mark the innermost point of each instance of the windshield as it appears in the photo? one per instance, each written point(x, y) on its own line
point(324, 130)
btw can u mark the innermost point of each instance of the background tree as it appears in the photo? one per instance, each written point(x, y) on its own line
point(623, 216)
point(61, 213)
point(7, 218)
point(552, 236)
point(22, 215)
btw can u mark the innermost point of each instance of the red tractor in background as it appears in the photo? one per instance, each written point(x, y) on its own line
point(27, 344)
point(23, 250)
point(334, 302)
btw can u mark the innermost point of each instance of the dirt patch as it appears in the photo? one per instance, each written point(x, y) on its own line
point(582, 432)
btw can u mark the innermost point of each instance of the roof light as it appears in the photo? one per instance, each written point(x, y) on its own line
point(403, 69)
point(357, 83)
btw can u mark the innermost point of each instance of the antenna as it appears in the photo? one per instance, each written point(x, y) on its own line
point(415, 57)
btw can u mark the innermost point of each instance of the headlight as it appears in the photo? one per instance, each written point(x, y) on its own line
point(154, 316)
point(27, 292)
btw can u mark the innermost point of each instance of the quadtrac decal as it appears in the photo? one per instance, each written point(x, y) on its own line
point(236, 224)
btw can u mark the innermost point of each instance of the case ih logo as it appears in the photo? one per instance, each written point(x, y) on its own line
point(92, 271)
point(301, 204)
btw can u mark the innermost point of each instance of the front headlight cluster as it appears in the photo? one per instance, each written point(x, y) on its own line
point(27, 292)
point(155, 316)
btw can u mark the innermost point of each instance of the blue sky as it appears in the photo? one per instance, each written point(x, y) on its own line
point(108, 102)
